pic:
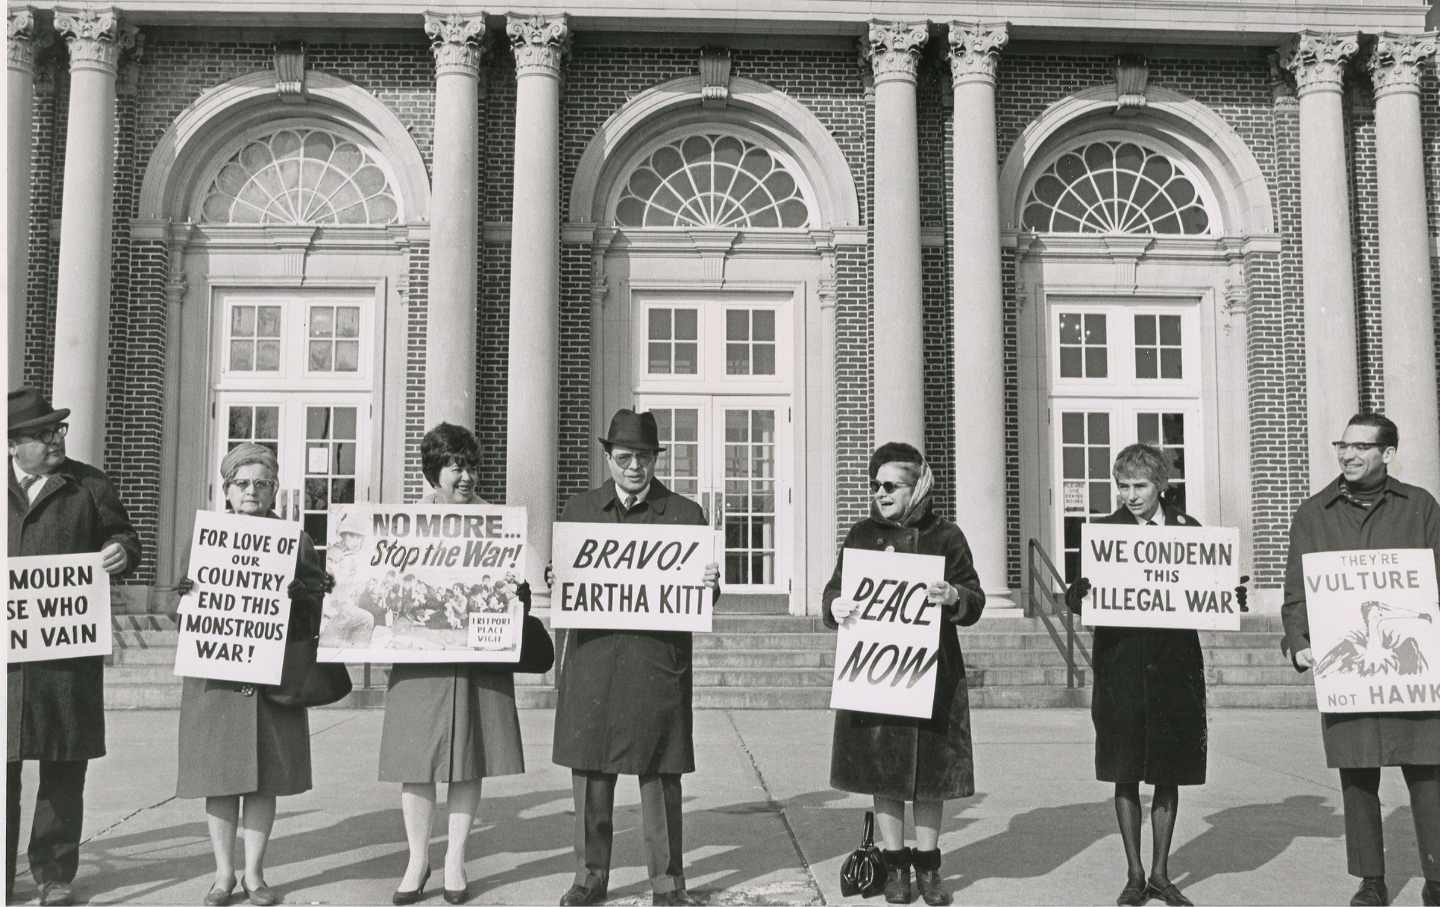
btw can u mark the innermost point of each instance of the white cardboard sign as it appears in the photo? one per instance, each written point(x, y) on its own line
point(56, 606)
point(1175, 577)
point(631, 577)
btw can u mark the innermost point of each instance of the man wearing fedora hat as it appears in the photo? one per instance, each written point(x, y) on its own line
point(624, 705)
point(56, 708)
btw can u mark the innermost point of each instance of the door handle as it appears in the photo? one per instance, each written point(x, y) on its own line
point(705, 502)
point(717, 519)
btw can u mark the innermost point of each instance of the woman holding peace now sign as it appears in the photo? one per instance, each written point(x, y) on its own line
point(892, 757)
point(235, 744)
point(1148, 699)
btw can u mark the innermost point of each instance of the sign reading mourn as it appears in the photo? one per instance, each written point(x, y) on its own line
point(424, 583)
point(887, 654)
point(1374, 630)
point(233, 623)
point(631, 577)
point(1160, 576)
point(56, 606)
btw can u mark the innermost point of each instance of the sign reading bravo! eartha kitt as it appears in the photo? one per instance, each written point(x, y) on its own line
point(1176, 577)
point(1374, 629)
point(631, 577)
point(888, 652)
point(56, 606)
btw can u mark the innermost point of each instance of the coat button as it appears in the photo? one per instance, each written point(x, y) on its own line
point(247, 690)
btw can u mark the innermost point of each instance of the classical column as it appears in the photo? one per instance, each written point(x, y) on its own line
point(1331, 376)
point(1407, 298)
point(454, 220)
point(532, 405)
point(893, 50)
point(979, 352)
point(82, 298)
point(19, 95)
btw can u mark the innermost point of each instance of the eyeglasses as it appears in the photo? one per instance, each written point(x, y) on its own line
point(257, 484)
point(48, 435)
point(1356, 446)
point(889, 487)
point(626, 460)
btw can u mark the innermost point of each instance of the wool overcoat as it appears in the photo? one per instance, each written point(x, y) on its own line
point(624, 702)
point(232, 740)
point(57, 708)
point(1405, 516)
point(893, 755)
point(1148, 700)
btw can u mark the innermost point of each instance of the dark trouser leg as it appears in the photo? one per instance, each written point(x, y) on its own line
point(594, 826)
point(1424, 782)
point(1127, 816)
point(660, 802)
point(59, 817)
point(1163, 808)
point(1364, 838)
point(12, 823)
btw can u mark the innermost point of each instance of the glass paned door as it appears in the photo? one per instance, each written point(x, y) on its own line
point(750, 494)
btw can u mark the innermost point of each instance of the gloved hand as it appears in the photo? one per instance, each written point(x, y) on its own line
point(184, 585)
point(1077, 591)
point(1242, 595)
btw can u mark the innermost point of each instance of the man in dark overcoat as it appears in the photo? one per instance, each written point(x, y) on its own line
point(56, 708)
point(624, 701)
point(1364, 508)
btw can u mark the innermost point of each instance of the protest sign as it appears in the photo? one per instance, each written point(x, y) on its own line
point(233, 622)
point(57, 606)
point(1180, 577)
point(631, 577)
point(888, 653)
point(1374, 629)
point(424, 583)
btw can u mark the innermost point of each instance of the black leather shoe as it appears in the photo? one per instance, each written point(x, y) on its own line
point(1167, 892)
point(457, 895)
point(678, 897)
point(403, 896)
point(1371, 893)
point(218, 896)
point(1430, 894)
point(260, 895)
point(897, 875)
point(56, 894)
point(1135, 892)
point(580, 895)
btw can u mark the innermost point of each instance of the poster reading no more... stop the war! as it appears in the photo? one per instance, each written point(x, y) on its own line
point(1180, 577)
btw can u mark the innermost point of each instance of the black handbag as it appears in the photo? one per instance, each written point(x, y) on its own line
point(305, 682)
point(863, 872)
point(537, 651)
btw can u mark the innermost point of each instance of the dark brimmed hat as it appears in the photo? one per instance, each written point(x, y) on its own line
point(30, 409)
point(636, 431)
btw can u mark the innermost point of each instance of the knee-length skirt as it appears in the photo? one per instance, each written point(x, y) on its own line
point(234, 742)
point(447, 722)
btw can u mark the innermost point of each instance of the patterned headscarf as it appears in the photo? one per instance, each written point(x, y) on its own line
point(919, 504)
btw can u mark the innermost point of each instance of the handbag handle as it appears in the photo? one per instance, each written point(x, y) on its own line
point(867, 837)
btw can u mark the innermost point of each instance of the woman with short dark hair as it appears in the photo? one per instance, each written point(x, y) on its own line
point(894, 758)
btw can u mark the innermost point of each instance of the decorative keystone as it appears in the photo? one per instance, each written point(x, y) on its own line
point(1318, 59)
point(455, 42)
point(1396, 61)
point(975, 51)
point(893, 49)
point(539, 43)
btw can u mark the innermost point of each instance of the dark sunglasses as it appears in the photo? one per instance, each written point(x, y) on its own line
point(889, 487)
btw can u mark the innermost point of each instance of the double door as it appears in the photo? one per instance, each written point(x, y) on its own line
point(730, 455)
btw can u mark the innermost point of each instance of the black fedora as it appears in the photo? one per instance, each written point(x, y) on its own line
point(636, 431)
point(30, 409)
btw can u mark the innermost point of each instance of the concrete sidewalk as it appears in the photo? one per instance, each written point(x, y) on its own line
point(762, 824)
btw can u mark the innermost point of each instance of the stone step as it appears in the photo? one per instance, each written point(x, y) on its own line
point(758, 641)
point(753, 604)
point(1046, 696)
point(1029, 676)
point(1246, 656)
point(1258, 696)
point(1275, 675)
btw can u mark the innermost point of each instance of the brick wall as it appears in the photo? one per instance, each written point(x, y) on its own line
point(1365, 239)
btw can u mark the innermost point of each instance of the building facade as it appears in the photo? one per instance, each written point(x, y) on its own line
point(1018, 235)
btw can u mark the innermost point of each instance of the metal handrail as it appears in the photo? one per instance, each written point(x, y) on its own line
point(1044, 584)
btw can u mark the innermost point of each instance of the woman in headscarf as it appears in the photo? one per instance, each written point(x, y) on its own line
point(894, 758)
point(238, 748)
point(454, 723)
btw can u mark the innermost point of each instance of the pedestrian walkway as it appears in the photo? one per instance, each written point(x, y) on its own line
point(762, 824)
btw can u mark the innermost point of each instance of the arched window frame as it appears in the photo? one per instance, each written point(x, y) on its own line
point(1177, 157)
point(223, 154)
point(676, 134)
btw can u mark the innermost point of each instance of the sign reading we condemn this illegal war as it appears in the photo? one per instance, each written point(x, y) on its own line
point(1374, 629)
point(233, 622)
point(888, 653)
point(1180, 577)
point(631, 577)
point(56, 606)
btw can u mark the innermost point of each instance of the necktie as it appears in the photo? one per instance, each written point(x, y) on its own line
point(629, 502)
point(27, 482)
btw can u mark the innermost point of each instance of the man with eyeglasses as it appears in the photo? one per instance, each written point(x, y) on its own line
point(1366, 508)
point(56, 708)
point(624, 704)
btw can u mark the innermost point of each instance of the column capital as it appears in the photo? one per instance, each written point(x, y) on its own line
point(1318, 59)
point(455, 42)
point(975, 50)
point(25, 38)
point(94, 36)
point(893, 49)
point(1396, 61)
point(539, 43)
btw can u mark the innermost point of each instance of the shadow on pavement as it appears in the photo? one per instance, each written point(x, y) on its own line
point(1034, 844)
point(1245, 838)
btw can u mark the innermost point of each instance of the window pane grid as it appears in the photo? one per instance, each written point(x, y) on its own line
point(750, 342)
point(678, 468)
point(1083, 345)
point(333, 344)
point(1166, 430)
point(1159, 350)
point(254, 343)
point(256, 424)
point(673, 346)
point(750, 496)
point(1084, 478)
point(330, 465)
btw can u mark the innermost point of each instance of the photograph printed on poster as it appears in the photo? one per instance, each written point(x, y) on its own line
point(424, 583)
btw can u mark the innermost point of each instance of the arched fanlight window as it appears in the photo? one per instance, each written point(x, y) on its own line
point(1115, 187)
point(300, 176)
point(712, 180)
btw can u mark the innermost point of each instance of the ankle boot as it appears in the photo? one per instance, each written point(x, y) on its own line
point(897, 875)
point(927, 877)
